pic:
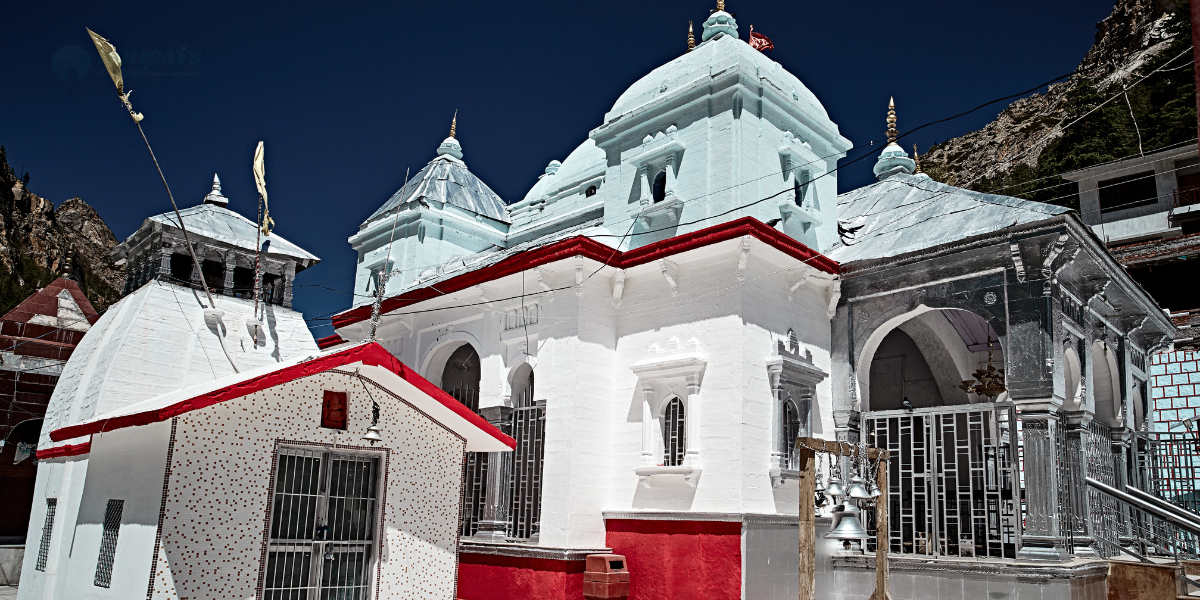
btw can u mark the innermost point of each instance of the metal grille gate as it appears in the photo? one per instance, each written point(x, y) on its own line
point(951, 480)
point(529, 429)
point(474, 472)
point(674, 433)
point(322, 526)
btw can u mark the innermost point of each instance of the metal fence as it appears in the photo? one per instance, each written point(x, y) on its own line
point(1168, 465)
point(952, 488)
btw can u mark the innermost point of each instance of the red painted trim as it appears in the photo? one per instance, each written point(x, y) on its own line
point(65, 450)
point(330, 341)
point(517, 562)
point(589, 248)
point(371, 354)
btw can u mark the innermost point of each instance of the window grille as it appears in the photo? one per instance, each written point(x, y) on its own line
point(791, 431)
point(322, 525)
point(674, 435)
point(47, 531)
point(108, 543)
point(1130, 191)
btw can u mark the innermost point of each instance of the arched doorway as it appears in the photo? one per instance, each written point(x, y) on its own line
point(528, 427)
point(461, 374)
point(953, 472)
point(17, 476)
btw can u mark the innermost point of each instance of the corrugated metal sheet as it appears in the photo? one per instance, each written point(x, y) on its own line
point(448, 180)
point(224, 225)
point(906, 213)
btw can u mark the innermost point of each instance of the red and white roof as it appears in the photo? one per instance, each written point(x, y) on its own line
point(372, 361)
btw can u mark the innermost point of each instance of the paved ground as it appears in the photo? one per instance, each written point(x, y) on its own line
point(7, 592)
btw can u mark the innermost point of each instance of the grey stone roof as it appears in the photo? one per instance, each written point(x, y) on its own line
point(906, 213)
point(446, 179)
point(224, 225)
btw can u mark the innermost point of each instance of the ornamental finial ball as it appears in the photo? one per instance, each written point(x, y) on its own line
point(453, 123)
point(916, 157)
point(721, 5)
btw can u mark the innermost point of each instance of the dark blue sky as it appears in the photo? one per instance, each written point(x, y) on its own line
point(348, 95)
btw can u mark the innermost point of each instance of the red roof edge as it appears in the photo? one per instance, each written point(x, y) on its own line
point(46, 299)
point(65, 450)
point(585, 246)
point(371, 354)
point(330, 341)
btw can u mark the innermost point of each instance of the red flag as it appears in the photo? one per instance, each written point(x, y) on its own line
point(759, 41)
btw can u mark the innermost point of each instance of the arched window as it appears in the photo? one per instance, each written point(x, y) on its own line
point(790, 430)
point(591, 191)
point(799, 188)
point(660, 186)
point(674, 433)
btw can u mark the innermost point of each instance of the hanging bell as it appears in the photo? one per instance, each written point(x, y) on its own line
point(857, 490)
point(820, 486)
point(849, 527)
point(874, 490)
point(372, 435)
point(835, 487)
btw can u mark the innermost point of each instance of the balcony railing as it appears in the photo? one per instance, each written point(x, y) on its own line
point(1186, 196)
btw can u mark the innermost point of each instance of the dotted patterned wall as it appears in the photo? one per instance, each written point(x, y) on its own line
point(214, 524)
point(1174, 388)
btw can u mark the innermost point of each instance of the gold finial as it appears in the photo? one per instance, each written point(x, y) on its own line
point(721, 5)
point(916, 157)
point(453, 123)
point(691, 38)
point(891, 121)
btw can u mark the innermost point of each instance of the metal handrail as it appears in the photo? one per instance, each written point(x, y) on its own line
point(1154, 509)
point(1179, 511)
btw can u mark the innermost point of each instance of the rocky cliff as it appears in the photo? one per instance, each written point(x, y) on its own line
point(39, 242)
point(1137, 32)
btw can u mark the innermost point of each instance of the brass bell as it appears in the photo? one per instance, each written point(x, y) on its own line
point(875, 491)
point(372, 435)
point(820, 486)
point(857, 490)
point(849, 527)
point(835, 487)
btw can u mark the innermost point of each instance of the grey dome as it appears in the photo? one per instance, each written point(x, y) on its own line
point(447, 180)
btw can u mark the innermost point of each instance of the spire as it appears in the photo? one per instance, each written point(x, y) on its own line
point(893, 160)
point(215, 196)
point(917, 158)
point(891, 121)
point(691, 38)
point(719, 22)
point(450, 146)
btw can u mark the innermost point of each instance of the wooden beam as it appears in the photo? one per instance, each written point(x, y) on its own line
point(839, 448)
point(808, 522)
point(881, 534)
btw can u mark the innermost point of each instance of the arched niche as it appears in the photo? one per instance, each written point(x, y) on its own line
point(1073, 392)
point(455, 367)
point(521, 384)
point(1106, 388)
point(937, 343)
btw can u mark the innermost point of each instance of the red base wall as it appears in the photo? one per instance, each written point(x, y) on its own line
point(490, 577)
point(679, 559)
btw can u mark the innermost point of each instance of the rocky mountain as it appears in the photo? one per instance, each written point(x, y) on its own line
point(1136, 33)
point(39, 242)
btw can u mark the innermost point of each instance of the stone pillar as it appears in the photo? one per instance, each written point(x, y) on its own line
point(164, 262)
point(1121, 442)
point(649, 445)
point(230, 263)
point(493, 527)
point(692, 422)
point(778, 455)
point(289, 274)
point(669, 169)
point(197, 276)
point(1076, 428)
point(646, 196)
point(1042, 538)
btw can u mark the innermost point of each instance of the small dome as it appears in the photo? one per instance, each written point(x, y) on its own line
point(552, 168)
point(451, 147)
point(893, 160)
point(719, 22)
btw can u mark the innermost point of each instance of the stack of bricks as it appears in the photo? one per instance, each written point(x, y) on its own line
point(1174, 388)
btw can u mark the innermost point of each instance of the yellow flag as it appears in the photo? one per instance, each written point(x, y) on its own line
point(260, 179)
point(112, 60)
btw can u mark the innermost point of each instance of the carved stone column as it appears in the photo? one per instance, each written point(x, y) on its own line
point(1042, 538)
point(1076, 429)
point(289, 274)
point(778, 456)
point(646, 197)
point(669, 169)
point(1122, 438)
point(230, 264)
point(649, 431)
point(198, 277)
point(692, 421)
point(164, 262)
point(493, 526)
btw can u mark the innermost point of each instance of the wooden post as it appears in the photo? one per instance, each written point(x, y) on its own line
point(881, 532)
point(808, 521)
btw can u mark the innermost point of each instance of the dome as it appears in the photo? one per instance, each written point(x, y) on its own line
point(584, 161)
point(447, 180)
point(694, 69)
point(893, 160)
